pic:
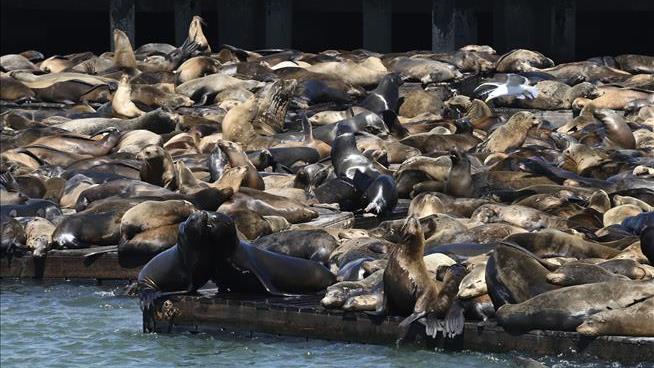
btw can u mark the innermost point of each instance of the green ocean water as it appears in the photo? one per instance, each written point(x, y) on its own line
point(73, 324)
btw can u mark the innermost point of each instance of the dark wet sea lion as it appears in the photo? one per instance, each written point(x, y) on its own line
point(567, 308)
point(385, 96)
point(32, 207)
point(618, 132)
point(647, 243)
point(513, 275)
point(208, 248)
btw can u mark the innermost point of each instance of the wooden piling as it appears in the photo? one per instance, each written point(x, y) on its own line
point(279, 23)
point(236, 23)
point(121, 16)
point(377, 25)
point(442, 25)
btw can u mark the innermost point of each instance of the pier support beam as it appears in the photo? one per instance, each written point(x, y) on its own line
point(377, 25)
point(514, 25)
point(559, 32)
point(121, 16)
point(184, 12)
point(236, 23)
point(442, 25)
point(465, 27)
point(279, 23)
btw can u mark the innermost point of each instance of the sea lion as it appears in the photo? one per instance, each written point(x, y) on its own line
point(510, 135)
point(647, 243)
point(521, 60)
point(156, 121)
point(208, 248)
point(513, 275)
point(157, 167)
point(581, 273)
point(552, 243)
point(340, 293)
point(425, 204)
point(267, 204)
point(38, 234)
point(316, 245)
point(459, 181)
point(122, 104)
point(567, 308)
point(617, 130)
point(408, 288)
point(12, 238)
point(635, 320)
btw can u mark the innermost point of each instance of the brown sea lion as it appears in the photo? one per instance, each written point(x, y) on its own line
point(157, 167)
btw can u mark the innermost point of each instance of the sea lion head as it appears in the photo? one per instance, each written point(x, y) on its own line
point(412, 236)
point(206, 234)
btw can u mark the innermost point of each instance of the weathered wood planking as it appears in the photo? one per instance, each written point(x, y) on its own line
point(67, 264)
point(303, 316)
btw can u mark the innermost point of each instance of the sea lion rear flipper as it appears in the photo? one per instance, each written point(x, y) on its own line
point(92, 257)
point(454, 320)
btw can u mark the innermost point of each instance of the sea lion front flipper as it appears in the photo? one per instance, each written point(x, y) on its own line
point(454, 320)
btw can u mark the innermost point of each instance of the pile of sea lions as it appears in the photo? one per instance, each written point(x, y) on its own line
point(202, 164)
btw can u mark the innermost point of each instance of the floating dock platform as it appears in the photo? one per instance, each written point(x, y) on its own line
point(303, 316)
point(67, 264)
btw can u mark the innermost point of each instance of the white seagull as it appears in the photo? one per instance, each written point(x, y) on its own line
point(515, 85)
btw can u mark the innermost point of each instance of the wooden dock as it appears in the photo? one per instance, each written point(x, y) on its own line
point(67, 264)
point(303, 316)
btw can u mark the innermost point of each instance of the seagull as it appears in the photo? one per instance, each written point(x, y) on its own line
point(515, 85)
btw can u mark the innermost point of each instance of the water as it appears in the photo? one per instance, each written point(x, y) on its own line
point(71, 324)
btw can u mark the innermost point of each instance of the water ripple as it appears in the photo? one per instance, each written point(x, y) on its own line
point(82, 325)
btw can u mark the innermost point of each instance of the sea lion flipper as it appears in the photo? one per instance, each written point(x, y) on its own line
point(454, 320)
point(92, 257)
point(411, 318)
point(244, 259)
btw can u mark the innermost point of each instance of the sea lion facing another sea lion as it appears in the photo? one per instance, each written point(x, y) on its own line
point(208, 248)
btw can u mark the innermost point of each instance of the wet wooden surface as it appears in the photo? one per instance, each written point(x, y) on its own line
point(67, 264)
point(303, 316)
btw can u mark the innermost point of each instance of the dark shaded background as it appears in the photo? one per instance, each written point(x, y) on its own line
point(84, 26)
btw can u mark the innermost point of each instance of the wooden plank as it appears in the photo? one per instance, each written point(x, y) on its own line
point(121, 16)
point(303, 316)
point(377, 25)
point(67, 264)
point(329, 220)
